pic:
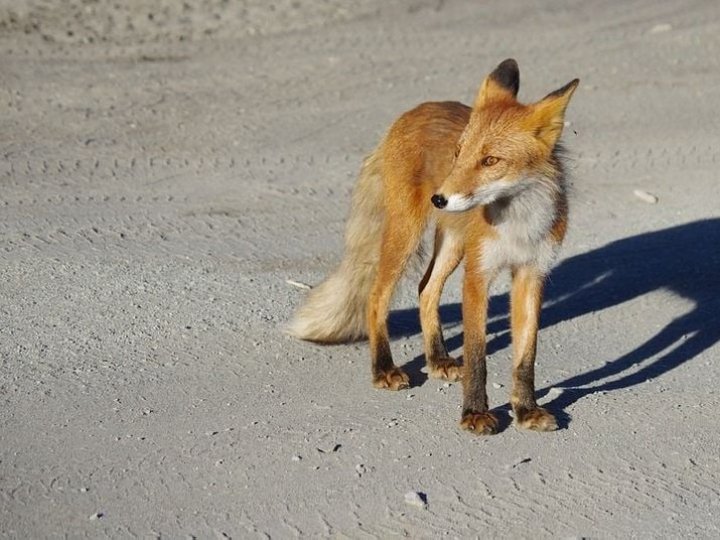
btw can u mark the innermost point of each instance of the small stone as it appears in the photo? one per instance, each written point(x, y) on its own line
point(360, 469)
point(659, 28)
point(296, 458)
point(644, 196)
point(96, 516)
point(416, 498)
point(497, 385)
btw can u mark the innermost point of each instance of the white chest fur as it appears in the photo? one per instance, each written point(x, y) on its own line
point(522, 224)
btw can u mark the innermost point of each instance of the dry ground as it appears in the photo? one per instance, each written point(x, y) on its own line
point(167, 166)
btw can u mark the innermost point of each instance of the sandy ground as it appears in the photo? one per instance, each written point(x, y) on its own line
point(167, 166)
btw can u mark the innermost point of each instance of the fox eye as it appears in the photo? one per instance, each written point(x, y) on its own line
point(457, 150)
point(489, 161)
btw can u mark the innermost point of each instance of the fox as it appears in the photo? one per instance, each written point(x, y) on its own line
point(491, 179)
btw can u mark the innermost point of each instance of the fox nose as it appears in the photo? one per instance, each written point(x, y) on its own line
point(439, 201)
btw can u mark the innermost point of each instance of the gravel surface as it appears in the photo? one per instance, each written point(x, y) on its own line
point(171, 171)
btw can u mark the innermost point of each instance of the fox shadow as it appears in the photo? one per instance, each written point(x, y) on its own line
point(684, 260)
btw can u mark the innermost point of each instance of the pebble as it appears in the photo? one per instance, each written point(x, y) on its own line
point(658, 28)
point(415, 498)
point(96, 516)
point(497, 385)
point(298, 284)
point(360, 469)
point(645, 196)
point(296, 458)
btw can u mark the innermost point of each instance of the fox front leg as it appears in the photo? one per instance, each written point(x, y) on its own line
point(448, 252)
point(526, 299)
point(475, 414)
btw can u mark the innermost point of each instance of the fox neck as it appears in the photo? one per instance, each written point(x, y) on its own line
point(522, 225)
point(529, 214)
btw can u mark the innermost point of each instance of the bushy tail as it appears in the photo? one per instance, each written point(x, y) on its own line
point(334, 311)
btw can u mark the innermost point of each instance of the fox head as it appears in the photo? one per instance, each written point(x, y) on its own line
point(506, 145)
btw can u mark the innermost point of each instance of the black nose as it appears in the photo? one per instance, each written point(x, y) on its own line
point(439, 201)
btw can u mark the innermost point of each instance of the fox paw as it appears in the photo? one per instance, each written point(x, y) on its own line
point(392, 379)
point(481, 423)
point(445, 368)
point(537, 419)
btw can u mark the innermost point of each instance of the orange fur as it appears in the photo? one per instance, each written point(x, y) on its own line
point(490, 178)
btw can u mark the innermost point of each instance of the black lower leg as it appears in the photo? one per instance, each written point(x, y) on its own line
point(437, 350)
point(382, 361)
point(523, 395)
point(474, 380)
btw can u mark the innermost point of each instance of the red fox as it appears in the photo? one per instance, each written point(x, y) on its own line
point(491, 179)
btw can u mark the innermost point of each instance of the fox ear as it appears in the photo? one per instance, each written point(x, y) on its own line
point(502, 83)
point(548, 115)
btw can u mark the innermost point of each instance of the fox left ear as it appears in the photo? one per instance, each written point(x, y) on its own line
point(548, 115)
point(502, 83)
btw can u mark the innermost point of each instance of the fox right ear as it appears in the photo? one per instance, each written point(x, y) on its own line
point(548, 115)
point(502, 83)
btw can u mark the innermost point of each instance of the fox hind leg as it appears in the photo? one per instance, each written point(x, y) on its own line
point(448, 252)
point(401, 238)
